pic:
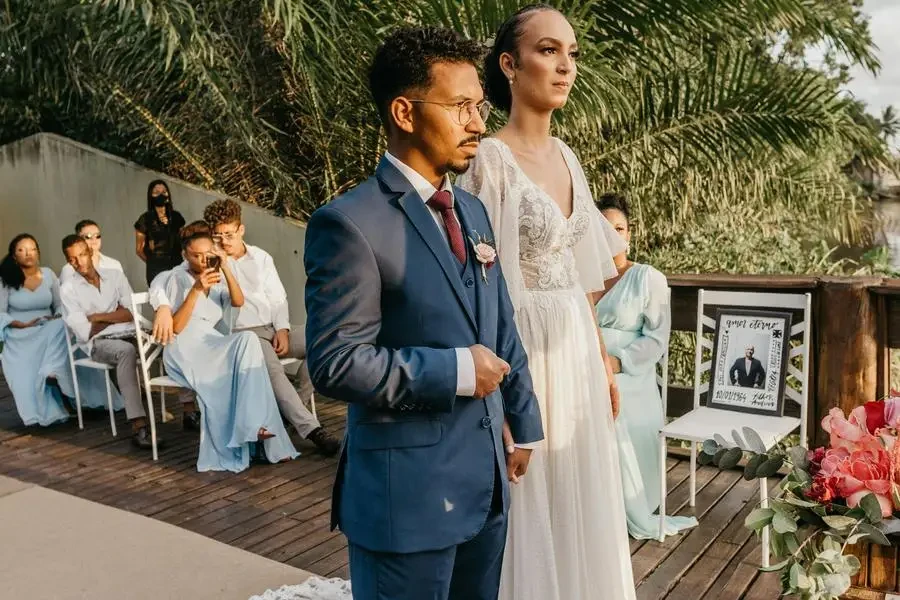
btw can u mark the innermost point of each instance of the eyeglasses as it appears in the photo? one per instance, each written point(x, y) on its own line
point(464, 110)
point(91, 236)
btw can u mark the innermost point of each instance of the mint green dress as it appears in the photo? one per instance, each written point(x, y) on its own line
point(634, 317)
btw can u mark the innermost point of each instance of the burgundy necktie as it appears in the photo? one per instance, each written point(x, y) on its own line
point(442, 201)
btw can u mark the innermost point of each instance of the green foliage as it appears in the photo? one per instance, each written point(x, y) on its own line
point(807, 538)
point(703, 111)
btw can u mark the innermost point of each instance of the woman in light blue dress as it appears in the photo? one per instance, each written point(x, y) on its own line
point(228, 372)
point(35, 358)
point(633, 314)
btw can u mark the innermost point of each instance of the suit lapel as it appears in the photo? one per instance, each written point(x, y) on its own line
point(467, 221)
point(415, 210)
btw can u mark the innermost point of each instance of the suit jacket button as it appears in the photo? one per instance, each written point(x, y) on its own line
point(485, 422)
point(470, 282)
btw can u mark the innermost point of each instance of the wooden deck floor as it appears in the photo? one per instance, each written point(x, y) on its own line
point(282, 511)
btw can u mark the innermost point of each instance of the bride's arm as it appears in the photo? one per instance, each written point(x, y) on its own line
point(607, 363)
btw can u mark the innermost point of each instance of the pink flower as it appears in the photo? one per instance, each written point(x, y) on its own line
point(850, 434)
point(892, 412)
point(823, 489)
point(485, 254)
point(853, 475)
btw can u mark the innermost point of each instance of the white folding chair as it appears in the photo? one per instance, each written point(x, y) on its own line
point(90, 364)
point(148, 351)
point(703, 423)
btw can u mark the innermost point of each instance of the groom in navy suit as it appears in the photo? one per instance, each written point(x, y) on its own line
point(410, 322)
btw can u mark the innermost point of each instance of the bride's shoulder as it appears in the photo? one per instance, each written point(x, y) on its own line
point(491, 151)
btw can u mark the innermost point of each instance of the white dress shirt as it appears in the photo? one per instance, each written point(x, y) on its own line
point(80, 299)
point(105, 263)
point(465, 364)
point(265, 301)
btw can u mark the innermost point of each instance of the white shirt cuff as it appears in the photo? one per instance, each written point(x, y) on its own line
point(465, 372)
point(529, 446)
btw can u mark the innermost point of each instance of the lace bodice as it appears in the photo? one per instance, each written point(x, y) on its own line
point(554, 252)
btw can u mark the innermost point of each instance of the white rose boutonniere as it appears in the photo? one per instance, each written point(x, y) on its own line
point(485, 253)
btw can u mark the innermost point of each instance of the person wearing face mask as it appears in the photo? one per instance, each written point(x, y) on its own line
point(567, 534)
point(633, 314)
point(89, 231)
point(156, 231)
point(35, 359)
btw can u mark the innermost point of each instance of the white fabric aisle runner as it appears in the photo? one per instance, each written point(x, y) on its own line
point(313, 588)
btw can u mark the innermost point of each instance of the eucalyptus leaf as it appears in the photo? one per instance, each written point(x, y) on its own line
point(752, 465)
point(717, 459)
point(796, 572)
point(759, 518)
point(794, 501)
point(731, 458)
point(872, 507)
point(802, 477)
point(775, 567)
point(889, 526)
point(754, 442)
point(874, 534)
point(738, 441)
point(704, 459)
point(723, 443)
point(710, 447)
point(838, 521)
point(798, 456)
point(783, 523)
point(770, 467)
point(836, 584)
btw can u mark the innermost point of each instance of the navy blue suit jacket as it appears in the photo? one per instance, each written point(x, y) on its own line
point(386, 306)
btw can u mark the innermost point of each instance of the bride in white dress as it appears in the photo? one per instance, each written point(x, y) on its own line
point(567, 534)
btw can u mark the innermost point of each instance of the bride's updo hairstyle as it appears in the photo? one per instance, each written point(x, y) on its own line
point(496, 86)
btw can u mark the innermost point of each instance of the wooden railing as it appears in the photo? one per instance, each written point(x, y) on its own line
point(856, 321)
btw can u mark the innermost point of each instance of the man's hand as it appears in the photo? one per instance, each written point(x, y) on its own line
point(614, 399)
point(517, 463)
point(163, 326)
point(509, 444)
point(25, 324)
point(489, 370)
point(97, 327)
point(281, 343)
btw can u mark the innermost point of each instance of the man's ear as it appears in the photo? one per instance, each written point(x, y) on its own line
point(401, 113)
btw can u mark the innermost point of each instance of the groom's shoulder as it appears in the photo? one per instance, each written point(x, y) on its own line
point(356, 202)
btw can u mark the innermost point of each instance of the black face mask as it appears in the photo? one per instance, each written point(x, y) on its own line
point(160, 200)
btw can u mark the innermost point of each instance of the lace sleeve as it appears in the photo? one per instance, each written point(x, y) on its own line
point(594, 252)
point(486, 179)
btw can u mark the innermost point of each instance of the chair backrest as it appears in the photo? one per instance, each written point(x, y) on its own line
point(800, 332)
point(662, 376)
point(148, 348)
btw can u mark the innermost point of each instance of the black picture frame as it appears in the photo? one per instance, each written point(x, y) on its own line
point(731, 387)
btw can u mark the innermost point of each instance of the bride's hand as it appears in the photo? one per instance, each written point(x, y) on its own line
point(614, 399)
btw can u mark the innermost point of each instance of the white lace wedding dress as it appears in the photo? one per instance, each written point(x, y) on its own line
point(567, 535)
point(313, 588)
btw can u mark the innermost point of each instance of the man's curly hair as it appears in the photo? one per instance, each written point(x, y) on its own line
point(194, 231)
point(403, 61)
point(222, 211)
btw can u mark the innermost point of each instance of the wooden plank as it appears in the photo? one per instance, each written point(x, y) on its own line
point(735, 493)
point(882, 568)
point(860, 551)
point(766, 586)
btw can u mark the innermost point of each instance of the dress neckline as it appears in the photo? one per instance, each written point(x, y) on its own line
point(559, 145)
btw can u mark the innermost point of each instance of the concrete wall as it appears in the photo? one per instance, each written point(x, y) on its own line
point(48, 183)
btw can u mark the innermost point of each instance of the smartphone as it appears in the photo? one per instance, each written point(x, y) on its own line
point(213, 262)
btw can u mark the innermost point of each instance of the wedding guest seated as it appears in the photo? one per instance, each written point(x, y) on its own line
point(634, 316)
point(228, 372)
point(265, 313)
point(94, 307)
point(91, 382)
point(35, 358)
point(90, 232)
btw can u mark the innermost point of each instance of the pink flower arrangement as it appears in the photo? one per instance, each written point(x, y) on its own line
point(862, 459)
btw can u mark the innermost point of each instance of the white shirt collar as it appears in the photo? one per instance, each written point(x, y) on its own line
point(422, 186)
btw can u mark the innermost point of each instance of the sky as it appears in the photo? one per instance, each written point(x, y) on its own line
point(884, 90)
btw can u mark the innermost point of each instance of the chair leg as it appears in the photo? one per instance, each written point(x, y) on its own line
point(662, 487)
point(162, 401)
point(764, 503)
point(693, 478)
point(312, 405)
point(77, 401)
point(152, 418)
point(109, 404)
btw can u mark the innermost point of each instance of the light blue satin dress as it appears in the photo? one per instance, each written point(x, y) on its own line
point(33, 354)
point(228, 373)
point(634, 317)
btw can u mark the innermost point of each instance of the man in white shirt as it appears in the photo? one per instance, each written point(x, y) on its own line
point(94, 308)
point(89, 231)
point(265, 312)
